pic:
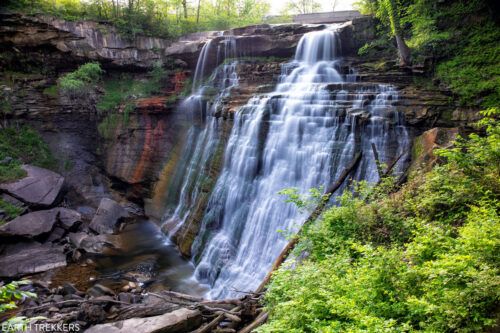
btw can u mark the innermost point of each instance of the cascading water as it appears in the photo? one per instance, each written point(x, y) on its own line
point(203, 137)
point(302, 135)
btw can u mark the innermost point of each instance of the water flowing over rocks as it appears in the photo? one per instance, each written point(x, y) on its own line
point(206, 167)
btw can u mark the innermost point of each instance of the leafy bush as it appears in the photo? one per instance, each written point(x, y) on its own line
point(460, 37)
point(9, 295)
point(423, 259)
point(152, 17)
point(120, 95)
point(81, 81)
point(9, 210)
point(109, 124)
point(125, 88)
point(474, 73)
point(22, 145)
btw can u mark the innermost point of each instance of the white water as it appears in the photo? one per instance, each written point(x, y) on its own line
point(302, 135)
point(202, 138)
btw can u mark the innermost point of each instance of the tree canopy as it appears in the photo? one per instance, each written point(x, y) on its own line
point(165, 18)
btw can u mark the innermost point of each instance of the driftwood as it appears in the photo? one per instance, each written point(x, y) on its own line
point(213, 324)
point(73, 302)
point(377, 161)
point(254, 324)
point(172, 301)
point(381, 173)
point(392, 165)
point(314, 215)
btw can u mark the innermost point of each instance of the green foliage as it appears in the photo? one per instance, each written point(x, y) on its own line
point(23, 145)
point(120, 94)
point(5, 101)
point(109, 124)
point(460, 36)
point(423, 259)
point(81, 81)
point(123, 89)
point(165, 18)
point(304, 202)
point(378, 47)
point(474, 73)
point(9, 295)
point(10, 210)
point(51, 91)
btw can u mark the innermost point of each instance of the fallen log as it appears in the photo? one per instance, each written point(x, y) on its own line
point(314, 215)
point(213, 324)
point(254, 324)
point(377, 161)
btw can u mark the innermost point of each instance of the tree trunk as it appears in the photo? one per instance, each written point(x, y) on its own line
point(184, 5)
point(198, 12)
point(403, 49)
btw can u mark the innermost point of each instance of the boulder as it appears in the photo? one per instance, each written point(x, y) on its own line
point(181, 320)
point(30, 225)
point(423, 157)
point(40, 222)
point(41, 187)
point(96, 244)
point(29, 258)
point(107, 216)
point(68, 218)
point(99, 290)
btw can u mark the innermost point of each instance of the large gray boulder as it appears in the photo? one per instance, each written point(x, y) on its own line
point(182, 320)
point(107, 217)
point(40, 222)
point(96, 244)
point(30, 258)
point(41, 187)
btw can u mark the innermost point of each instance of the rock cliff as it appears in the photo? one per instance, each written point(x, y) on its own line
point(64, 43)
point(139, 158)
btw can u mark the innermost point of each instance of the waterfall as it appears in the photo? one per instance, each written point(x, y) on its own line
point(203, 137)
point(301, 135)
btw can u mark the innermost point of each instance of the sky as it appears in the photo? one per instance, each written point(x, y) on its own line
point(278, 5)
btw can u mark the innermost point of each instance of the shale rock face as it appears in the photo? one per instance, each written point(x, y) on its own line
point(84, 40)
point(75, 42)
point(41, 187)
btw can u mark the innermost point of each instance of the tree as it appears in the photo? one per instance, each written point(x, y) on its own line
point(303, 6)
point(198, 12)
point(391, 8)
point(184, 6)
point(388, 12)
